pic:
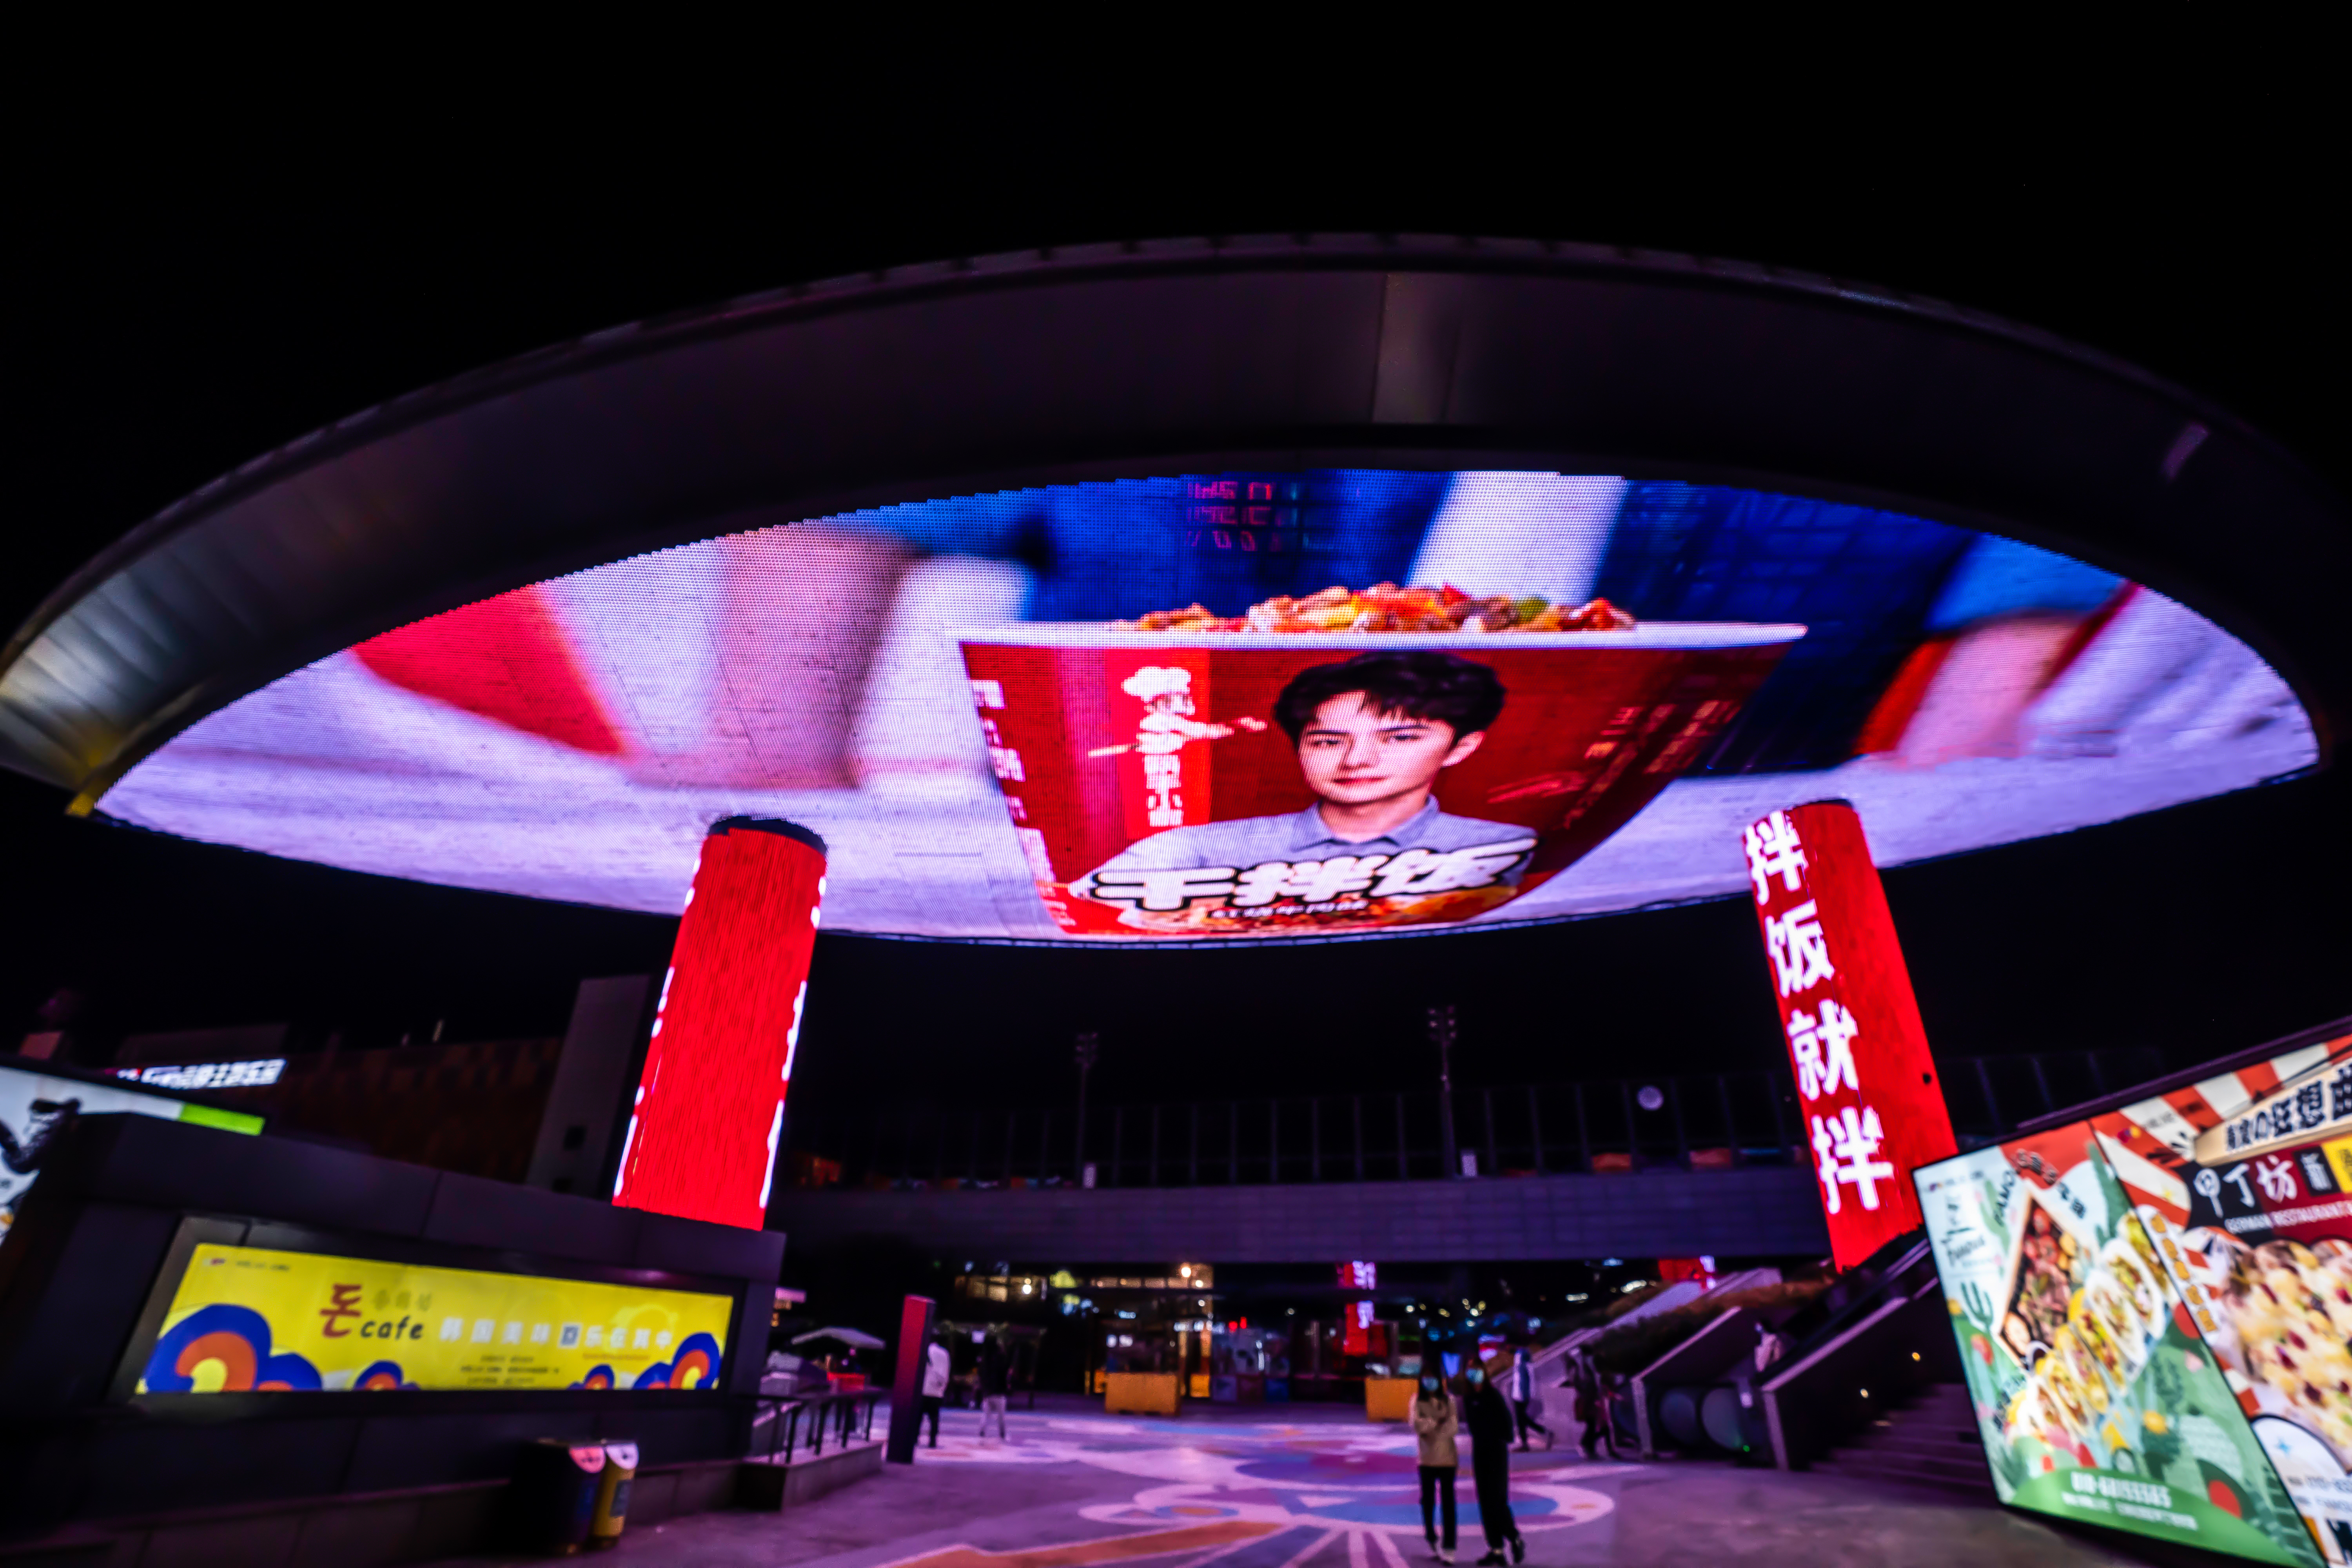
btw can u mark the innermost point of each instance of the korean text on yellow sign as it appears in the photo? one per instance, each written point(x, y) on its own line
point(248, 1318)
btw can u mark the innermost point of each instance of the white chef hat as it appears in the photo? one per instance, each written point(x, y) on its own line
point(1158, 681)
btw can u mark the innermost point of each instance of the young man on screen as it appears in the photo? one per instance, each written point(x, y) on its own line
point(1373, 734)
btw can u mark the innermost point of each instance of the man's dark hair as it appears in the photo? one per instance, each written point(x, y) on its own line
point(1415, 683)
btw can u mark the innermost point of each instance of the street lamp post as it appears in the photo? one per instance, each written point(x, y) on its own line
point(1089, 1047)
point(1441, 1031)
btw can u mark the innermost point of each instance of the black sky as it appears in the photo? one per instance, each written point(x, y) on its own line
point(214, 289)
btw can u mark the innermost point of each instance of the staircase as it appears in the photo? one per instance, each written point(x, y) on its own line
point(1930, 1442)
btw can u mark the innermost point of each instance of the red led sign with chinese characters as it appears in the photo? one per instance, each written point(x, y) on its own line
point(1872, 1108)
point(710, 1107)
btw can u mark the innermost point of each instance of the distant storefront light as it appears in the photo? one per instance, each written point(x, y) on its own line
point(209, 1075)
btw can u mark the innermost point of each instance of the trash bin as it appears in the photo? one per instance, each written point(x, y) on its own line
point(556, 1493)
point(612, 1511)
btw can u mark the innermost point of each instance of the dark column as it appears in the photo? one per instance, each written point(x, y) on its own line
point(907, 1388)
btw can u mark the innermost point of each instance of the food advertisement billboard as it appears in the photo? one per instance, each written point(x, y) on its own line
point(2244, 1180)
point(2150, 1349)
point(1242, 707)
point(37, 1106)
point(262, 1319)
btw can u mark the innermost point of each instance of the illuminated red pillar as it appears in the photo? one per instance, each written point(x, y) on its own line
point(710, 1107)
point(1869, 1105)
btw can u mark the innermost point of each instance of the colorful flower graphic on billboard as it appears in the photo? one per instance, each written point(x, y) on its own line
point(223, 1350)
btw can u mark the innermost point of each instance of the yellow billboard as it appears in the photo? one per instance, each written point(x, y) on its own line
point(253, 1318)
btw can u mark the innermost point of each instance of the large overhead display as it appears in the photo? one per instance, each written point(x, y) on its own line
point(1201, 707)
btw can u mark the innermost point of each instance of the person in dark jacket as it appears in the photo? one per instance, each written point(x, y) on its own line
point(1592, 1409)
point(1488, 1415)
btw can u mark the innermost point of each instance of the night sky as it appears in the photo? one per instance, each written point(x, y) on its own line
point(213, 300)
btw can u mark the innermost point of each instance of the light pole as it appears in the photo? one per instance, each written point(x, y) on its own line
point(1089, 1047)
point(1442, 1030)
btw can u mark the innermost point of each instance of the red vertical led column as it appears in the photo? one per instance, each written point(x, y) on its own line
point(702, 1136)
point(1872, 1108)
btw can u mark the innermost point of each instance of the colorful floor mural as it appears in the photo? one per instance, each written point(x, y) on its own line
point(1319, 1487)
point(1256, 1494)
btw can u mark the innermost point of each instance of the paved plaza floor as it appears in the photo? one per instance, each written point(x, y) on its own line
point(1307, 1487)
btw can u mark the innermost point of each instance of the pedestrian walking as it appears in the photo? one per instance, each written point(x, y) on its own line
point(1522, 1385)
point(994, 1372)
point(1434, 1424)
point(1488, 1419)
point(1593, 1408)
point(939, 1366)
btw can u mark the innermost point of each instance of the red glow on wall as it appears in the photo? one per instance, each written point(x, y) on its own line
point(506, 659)
point(710, 1106)
point(1871, 1107)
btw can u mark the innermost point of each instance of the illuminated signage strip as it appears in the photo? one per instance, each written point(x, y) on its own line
point(1873, 1112)
point(36, 1107)
point(258, 1074)
point(2315, 1104)
point(709, 1110)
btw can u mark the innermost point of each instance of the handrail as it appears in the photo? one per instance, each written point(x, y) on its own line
point(849, 1417)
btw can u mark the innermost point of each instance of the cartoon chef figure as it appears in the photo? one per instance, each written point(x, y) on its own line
point(1166, 724)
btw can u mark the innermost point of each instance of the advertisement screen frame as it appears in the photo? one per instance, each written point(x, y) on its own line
point(195, 1230)
point(2077, 1400)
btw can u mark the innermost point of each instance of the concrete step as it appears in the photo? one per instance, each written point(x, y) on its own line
point(1948, 1474)
point(1941, 1397)
point(1932, 1441)
point(1920, 1445)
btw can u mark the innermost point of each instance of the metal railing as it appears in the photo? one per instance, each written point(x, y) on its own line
point(1698, 1122)
point(848, 1416)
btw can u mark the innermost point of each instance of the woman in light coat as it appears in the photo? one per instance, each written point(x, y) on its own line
point(1434, 1424)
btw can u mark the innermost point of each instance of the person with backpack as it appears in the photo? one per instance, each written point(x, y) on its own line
point(1434, 1424)
point(1488, 1418)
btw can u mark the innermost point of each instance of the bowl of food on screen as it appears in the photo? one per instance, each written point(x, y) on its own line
point(1352, 759)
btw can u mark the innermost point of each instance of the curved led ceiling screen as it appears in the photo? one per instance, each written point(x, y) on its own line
point(943, 693)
